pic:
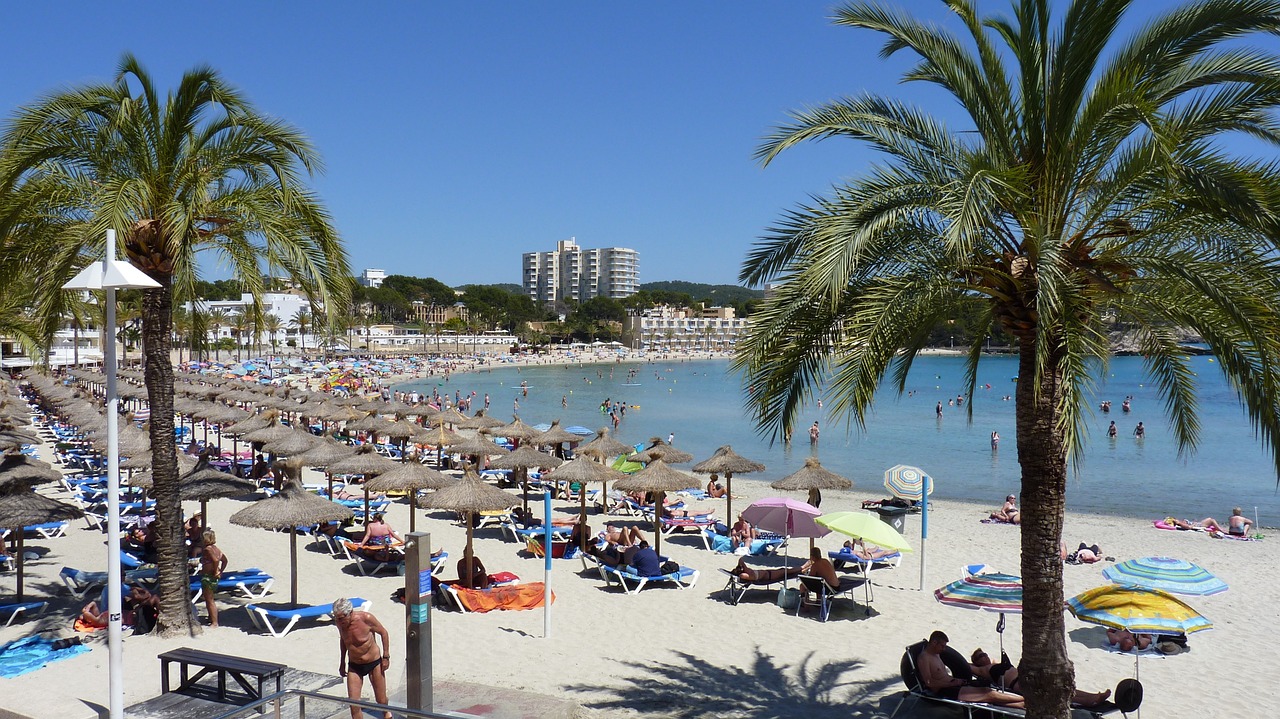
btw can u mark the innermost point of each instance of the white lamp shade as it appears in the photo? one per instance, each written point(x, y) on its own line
point(111, 275)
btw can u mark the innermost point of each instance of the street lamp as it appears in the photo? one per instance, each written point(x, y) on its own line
point(111, 275)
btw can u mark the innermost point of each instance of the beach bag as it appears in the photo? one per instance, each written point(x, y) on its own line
point(788, 598)
point(669, 567)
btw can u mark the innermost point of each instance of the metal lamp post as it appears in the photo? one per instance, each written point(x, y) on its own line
point(111, 275)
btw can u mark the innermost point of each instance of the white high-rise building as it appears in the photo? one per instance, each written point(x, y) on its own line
point(572, 273)
point(372, 277)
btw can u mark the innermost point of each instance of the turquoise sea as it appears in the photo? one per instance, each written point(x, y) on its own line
point(701, 402)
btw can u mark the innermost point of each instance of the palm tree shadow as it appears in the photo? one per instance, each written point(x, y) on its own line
point(691, 687)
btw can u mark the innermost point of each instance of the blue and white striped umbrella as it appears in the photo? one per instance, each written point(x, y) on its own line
point(906, 482)
point(1171, 575)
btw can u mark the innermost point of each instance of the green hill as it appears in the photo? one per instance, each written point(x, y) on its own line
point(716, 295)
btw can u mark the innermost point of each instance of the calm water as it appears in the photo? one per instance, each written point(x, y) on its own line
point(701, 403)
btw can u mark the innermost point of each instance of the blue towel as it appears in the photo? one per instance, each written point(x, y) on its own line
point(32, 653)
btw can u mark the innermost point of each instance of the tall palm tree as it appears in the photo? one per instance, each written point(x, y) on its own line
point(300, 321)
point(175, 174)
point(216, 320)
point(272, 326)
point(238, 323)
point(1087, 176)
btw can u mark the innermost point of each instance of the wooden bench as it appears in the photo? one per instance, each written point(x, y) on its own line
point(238, 668)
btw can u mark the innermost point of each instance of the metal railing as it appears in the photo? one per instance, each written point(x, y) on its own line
point(325, 705)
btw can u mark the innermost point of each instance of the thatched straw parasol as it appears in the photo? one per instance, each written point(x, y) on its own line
point(403, 430)
point(20, 469)
point(656, 477)
point(410, 477)
point(468, 496)
point(517, 431)
point(483, 422)
point(658, 449)
point(21, 507)
point(583, 470)
point(289, 509)
point(520, 460)
point(478, 447)
point(367, 463)
point(603, 447)
point(727, 462)
point(295, 443)
point(813, 477)
point(186, 463)
point(441, 437)
point(451, 416)
point(273, 432)
point(555, 437)
point(325, 452)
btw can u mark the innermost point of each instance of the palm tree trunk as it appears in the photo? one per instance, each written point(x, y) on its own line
point(1049, 677)
point(157, 319)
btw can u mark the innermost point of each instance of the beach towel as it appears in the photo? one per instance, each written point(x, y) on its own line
point(29, 654)
point(510, 597)
point(990, 520)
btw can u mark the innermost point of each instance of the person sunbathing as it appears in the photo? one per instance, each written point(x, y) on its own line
point(937, 678)
point(1008, 512)
point(742, 534)
point(342, 493)
point(378, 534)
point(668, 513)
point(1208, 524)
point(1239, 525)
point(1126, 640)
point(477, 578)
point(820, 566)
point(1086, 554)
point(1078, 697)
point(759, 576)
point(858, 548)
point(525, 518)
point(715, 490)
point(622, 536)
point(93, 616)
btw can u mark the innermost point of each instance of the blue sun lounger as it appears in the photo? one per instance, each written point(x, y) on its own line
point(246, 581)
point(685, 577)
point(262, 618)
point(14, 610)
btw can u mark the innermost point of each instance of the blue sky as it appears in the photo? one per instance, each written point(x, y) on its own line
point(458, 135)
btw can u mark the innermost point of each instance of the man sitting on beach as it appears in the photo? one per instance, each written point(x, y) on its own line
point(937, 678)
point(820, 566)
point(742, 534)
point(1239, 525)
point(645, 561)
point(715, 490)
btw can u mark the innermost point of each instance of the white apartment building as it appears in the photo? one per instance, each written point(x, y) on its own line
point(572, 273)
point(372, 277)
point(680, 328)
point(283, 306)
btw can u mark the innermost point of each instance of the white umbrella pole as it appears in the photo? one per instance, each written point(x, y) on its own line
point(115, 626)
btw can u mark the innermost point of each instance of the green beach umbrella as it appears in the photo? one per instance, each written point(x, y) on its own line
point(864, 526)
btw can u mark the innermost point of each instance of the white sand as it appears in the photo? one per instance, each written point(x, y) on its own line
point(638, 654)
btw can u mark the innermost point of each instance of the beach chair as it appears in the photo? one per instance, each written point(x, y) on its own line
point(559, 550)
point(79, 582)
point(362, 558)
point(253, 583)
point(823, 595)
point(16, 610)
point(685, 577)
point(735, 589)
point(703, 522)
point(267, 619)
point(48, 530)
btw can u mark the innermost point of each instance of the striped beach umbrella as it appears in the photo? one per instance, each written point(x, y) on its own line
point(1138, 609)
point(985, 592)
point(1172, 575)
point(993, 592)
point(906, 482)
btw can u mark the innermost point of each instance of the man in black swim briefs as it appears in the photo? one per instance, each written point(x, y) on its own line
point(359, 656)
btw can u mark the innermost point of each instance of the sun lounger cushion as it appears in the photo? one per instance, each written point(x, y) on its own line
point(31, 653)
point(509, 597)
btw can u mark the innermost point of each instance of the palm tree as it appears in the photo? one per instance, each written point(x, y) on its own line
point(272, 326)
point(197, 169)
point(238, 322)
point(300, 321)
point(1090, 177)
point(216, 320)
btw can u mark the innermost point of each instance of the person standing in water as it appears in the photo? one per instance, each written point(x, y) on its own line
point(995, 441)
point(1139, 431)
point(1112, 431)
point(813, 433)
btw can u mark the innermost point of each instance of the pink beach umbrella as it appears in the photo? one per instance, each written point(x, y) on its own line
point(786, 516)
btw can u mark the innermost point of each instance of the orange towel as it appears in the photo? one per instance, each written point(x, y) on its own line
point(514, 596)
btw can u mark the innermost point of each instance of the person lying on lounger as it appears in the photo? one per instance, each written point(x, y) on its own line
point(622, 536)
point(751, 575)
point(1079, 698)
point(935, 677)
point(859, 548)
point(1126, 640)
point(342, 493)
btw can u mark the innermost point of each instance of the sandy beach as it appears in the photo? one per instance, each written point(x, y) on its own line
point(671, 652)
